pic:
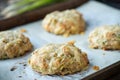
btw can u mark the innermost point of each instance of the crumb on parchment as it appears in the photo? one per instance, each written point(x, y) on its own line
point(23, 30)
point(71, 42)
point(13, 68)
point(19, 76)
point(96, 68)
point(82, 33)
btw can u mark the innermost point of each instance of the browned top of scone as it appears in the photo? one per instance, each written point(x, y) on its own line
point(64, 22)
point(105, 37)
point(13, 44)
point(58, 59)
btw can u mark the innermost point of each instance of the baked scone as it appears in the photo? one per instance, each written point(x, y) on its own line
point(58, 59)
point(105, 37)
point(64, 22)
point(13, 44)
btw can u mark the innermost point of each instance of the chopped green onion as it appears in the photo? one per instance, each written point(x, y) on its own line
point(16, 6)
point(23, 6)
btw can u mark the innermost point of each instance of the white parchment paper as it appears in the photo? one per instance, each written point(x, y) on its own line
point(95, 14)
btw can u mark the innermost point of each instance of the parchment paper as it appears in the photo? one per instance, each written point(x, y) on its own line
point(95, 14)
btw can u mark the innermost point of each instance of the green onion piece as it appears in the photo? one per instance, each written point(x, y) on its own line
point(37, 4)
point(16, 5)
point(26, 5)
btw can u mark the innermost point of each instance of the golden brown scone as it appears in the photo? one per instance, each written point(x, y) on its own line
point(13, 44)
point(58, 59)
point(105, 37)
point(64, 23)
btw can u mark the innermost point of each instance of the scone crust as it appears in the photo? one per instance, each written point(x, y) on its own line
point(64, 23)
point(105, 37)
point(13, 44)
point(58, 59)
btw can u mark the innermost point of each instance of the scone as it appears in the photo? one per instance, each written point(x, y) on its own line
point(64, 23)
point(13, 44)
point(58, 59)
point(105, 37)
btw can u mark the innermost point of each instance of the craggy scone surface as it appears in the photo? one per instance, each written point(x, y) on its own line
point(58, 59)
point(64, 22)
point(13, 44)
point(105, 37)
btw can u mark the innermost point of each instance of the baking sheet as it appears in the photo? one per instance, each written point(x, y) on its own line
point(95, 14)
